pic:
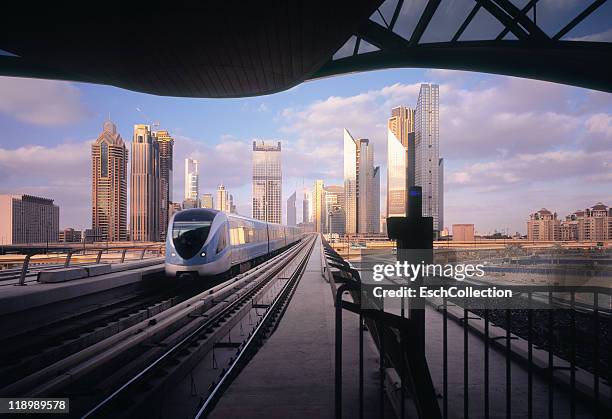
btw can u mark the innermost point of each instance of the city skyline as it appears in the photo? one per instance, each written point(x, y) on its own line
point(569, 138)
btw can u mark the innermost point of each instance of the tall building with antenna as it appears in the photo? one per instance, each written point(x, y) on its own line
point(109, 158)
point(166, 146)
point(267, 182)
point(144, 186)
point(192, 180)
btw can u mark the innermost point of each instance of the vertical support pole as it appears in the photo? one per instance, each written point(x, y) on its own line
point(508, 365)
point(144, 249)
point(466, 388)
point(99, 256)
point(381, 369)
point(596, 348)
point(445, 358)
point(486, 364)
point(68, 257)
point(338, 352)
point(361, 325)
point(530, 358)
point(24, 270)
point(573, 357)
point(551, 367)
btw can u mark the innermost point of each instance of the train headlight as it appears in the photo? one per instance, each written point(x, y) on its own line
point(203, 254)
point(172, 254)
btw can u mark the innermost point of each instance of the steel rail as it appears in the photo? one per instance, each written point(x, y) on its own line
point(80, 363)
point(210, 322)
point(255, 337)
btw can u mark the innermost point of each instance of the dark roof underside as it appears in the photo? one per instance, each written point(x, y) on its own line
point(241, 48)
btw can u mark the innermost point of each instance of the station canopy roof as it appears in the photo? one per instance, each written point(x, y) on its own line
point(235, 48)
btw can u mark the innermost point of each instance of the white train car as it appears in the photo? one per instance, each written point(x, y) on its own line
point(206, 242)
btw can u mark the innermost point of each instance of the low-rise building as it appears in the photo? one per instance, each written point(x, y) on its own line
point(463, 232)
point(543, 225)
point(70, 235)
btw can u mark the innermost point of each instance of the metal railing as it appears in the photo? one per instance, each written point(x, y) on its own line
point(540, 327)
point(397, 347)
point(121, 252)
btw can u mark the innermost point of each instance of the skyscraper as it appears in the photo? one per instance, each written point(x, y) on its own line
point(192, 176)
point(400, 160)
point(28, 219)
point(334, 210)
point(360, 179)
point(232, 206)
point(222, 203)
point(267, 182)
point(144, 186)
point(109, 157)
point(305, 207)
point(166, 145)
point(207, 200)
point(441, 194)
point(291, 214)
point(427, 151)
point(374, 201)
point(318, 202)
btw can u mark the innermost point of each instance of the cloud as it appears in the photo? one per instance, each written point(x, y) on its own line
point(604, 36)
point(61, 172)
point(41, 102)
point(525, 169)
point(499, 136)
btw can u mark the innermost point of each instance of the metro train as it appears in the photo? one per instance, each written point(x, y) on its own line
point(207, 242)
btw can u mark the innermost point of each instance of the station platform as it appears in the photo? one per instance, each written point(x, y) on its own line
point(292, 375)
point(17, 303)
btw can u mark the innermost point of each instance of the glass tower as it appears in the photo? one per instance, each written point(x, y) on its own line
point(166, 145)
point(144, 186)
point(267, 182)
point(362, 208)
point(427, 151)
point(400, 160)
point(192, 170)
point(109, 158)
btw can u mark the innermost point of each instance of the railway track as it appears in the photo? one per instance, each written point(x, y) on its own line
point(132, 364)
point(35, 349)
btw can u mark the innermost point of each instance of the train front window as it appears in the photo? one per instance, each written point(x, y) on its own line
point(189, 237)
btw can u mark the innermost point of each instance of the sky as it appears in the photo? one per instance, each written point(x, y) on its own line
point(511, 146)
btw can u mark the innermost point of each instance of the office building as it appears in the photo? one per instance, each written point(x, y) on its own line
point(334, 210)
point(427, 151)
point(192, 179)
point(361, 183)
point(26, 219)
point(543, 225)
point(207, 201)
point(463, 232)
point(318, 202)
point(400, 160)
point(109, 159)
point(166, 145)
point(441, 194)
point(291, 212)
point(267, 182)
point(174, 208)
point(144, 186)
point(232, 205)
point(223, 202)
point(70, 235)
point(190, 203)
point(305, 207)
point(374, 209)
